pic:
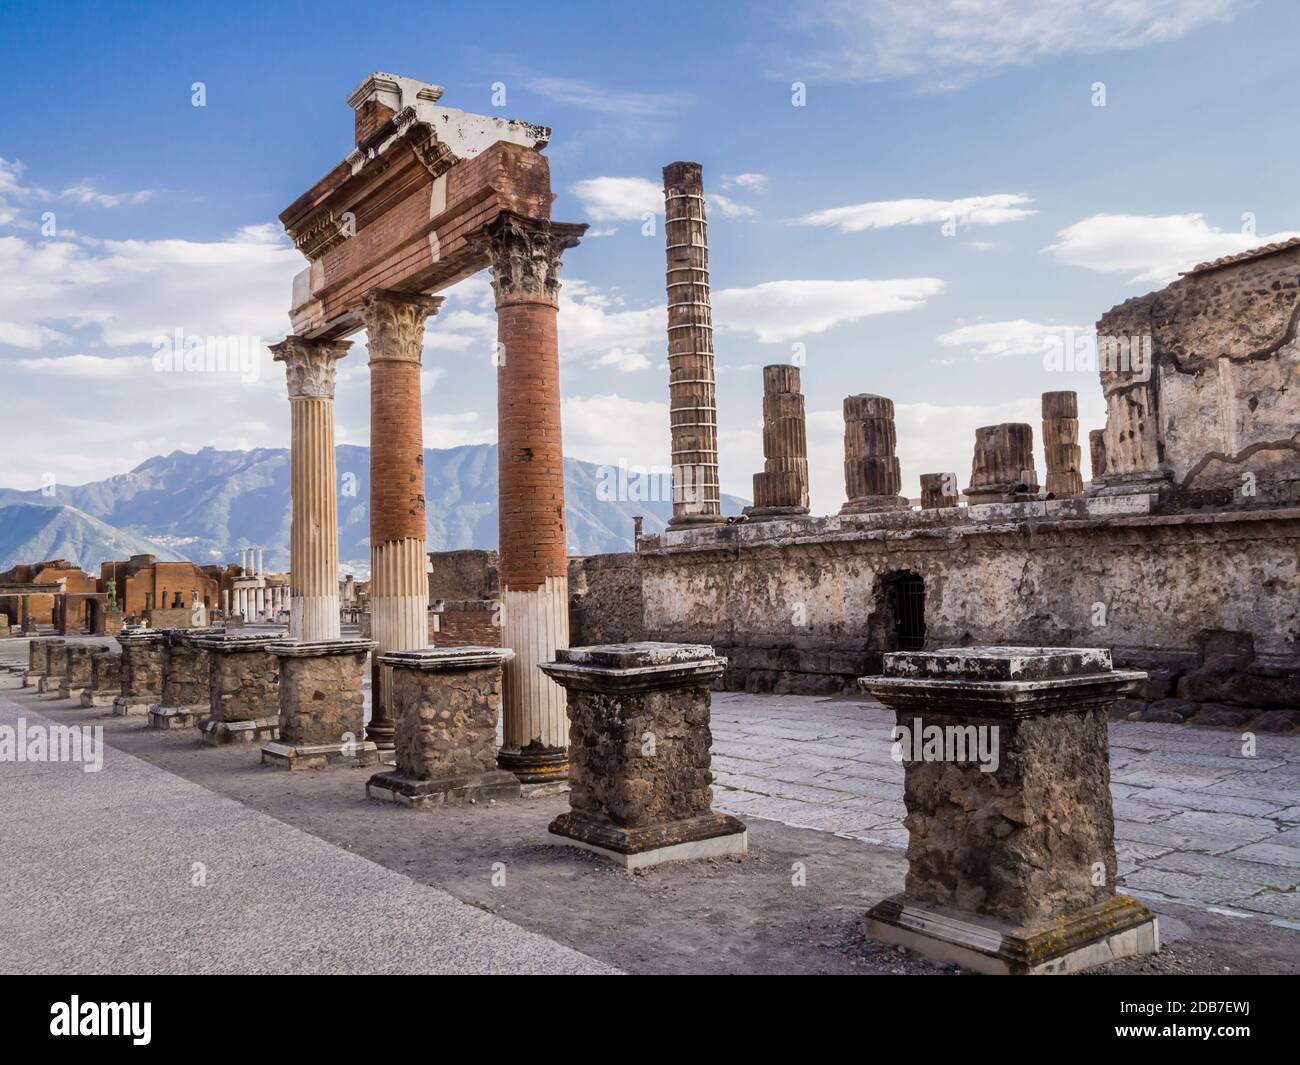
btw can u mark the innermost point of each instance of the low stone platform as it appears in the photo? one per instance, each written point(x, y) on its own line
point(321, 705)
point(319, 755)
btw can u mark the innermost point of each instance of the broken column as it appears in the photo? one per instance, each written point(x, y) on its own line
point(321, 705)
point(534, 570)
point(243, 690)
point(1002, 469)
point(692, 405)
point(939, 490)
point(872, 479)
point(1011, 848)
point(399, 592)
point(186, 681)
point(77, 675)
point(781, 490)
point(640, 786)
point(105, 679)
point(1061, 453)
point(447, 702)
point(314, 531)
point(1097, 452)
point(142, 667)
point(56, 664)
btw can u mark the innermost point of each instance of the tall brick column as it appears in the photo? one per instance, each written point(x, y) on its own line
point(1061, 444)
point(314, 531)
point(525, 260)
point(781, 490)
point(399, 590)
point(692, 405)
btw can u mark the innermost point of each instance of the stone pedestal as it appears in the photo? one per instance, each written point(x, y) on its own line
point(322, 708)
point(781, 490)
point(1061, 444)
point(1002, 469)
point(244, 688)
point(142, 666)
point(56, 664)
point(939, 490)
point(1011, 851)
point(640, 787)
point(872, 479)
point(105, 679)
point(77, 676)
point(447, 702)
point(186, 680)
point(38, 660)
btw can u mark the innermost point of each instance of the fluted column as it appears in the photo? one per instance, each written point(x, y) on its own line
point(781, 490)
point(939, 490)
point(525, 260)
point(693, 406)
point(1002, 468)
point(1097, 452)
point(314, 531)
point(872, 479)
point(398, 589)
point(1061, 452)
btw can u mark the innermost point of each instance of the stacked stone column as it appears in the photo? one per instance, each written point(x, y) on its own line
point(1002, 469)
point(314, 531)
point(939, 490)
point(781, 490)
point(525, 258)
point(398, 588)
point(1061, 444)
point(693, 407)
point(1097, 452)
point(872, 479)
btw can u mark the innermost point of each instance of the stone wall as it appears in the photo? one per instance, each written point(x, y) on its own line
point(463, 575)
point(605, 599)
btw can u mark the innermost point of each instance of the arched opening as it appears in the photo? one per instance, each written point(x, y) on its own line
point(904, 606)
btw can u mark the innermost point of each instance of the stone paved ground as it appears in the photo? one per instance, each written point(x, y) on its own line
point(1195, 821)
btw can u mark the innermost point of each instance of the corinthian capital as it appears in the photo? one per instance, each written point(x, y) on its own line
point(524, 255)
point(395, 323)
point(309, 364)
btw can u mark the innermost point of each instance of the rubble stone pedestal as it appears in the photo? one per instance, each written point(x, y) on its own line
point(1011, 850)
point(322, 708)
point(186, 680)
point(105, 679)
point(38, 660)
point(142, 663)
point(56, 664)
point(639, 749)
point(77, 676)
point(446, 702)
point(244, 688)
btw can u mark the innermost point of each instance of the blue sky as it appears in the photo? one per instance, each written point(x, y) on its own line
point(948, 198)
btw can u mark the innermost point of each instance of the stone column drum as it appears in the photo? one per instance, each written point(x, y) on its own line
point(781, 490)
point(1002, 469)
point(186, 681)
point(872, 479)
point(399, 592)
point(1061, 452)
point(105, 679)
point(321, 704)
point(939, 490)
point(1097, 452)
point(77, 676)
point(142, 664)
point(314, 529)
point(640, 786)
point(692, 399)
point(1011, 850)
point(525, 255)
point(56, 664)
point(447, 702)
point(244, 688)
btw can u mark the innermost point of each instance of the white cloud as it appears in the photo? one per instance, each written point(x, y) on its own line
point(89, 366)
point(881, 214)
point(757, 182)
point(595, 325)
point(1150, 248)
point(86, 193)
point(998, 340)
point(610, 428)
point(591, 97)
point(948, 43)
point(727, 207)
point(624, 361)
point(787, 310)
point(619, 199)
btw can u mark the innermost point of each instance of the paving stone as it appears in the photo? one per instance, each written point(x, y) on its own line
point(1225, 826)
point(1270, 854)
point(1208, 800)
point(1280, 903)
point(1183, 885)
point(1256, 874)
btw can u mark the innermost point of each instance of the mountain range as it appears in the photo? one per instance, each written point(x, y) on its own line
point(204, 506)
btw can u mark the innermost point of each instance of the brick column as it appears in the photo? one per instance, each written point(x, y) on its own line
point(1061, 444)
point(781, 490)
point(693, 406)
point(525, 260)
point(399, 593)
point(314, 532)
point(872, 480)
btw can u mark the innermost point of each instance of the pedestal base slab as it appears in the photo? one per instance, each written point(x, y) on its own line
point(134, 705)
point(255, 730)
point(712, 836)
point(319, 755)
point(396, 787)
point(177, 717)
point(91, 697)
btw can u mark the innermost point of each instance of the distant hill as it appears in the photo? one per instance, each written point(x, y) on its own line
point(34, 533)
point(203, 506)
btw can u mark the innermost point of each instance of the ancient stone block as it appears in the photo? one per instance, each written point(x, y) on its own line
point(781, 490)
point(640, 785)
point(872, 478)
point(1011, 852)
point(77, 675)
point(939, 490)
point(142, 665)
point(321, 705)
point(243, 688)
point(105, 679)
point(186, 680)
point(1061, 444)
point(38, 659)
point(1002, 469)
point(447, 702)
